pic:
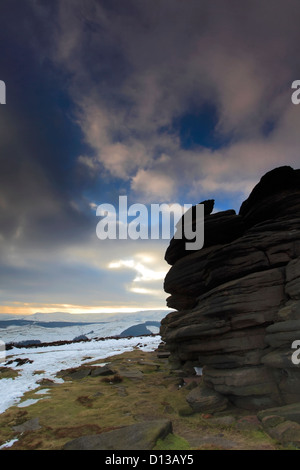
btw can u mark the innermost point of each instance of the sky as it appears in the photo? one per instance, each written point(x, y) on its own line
point(162, 101)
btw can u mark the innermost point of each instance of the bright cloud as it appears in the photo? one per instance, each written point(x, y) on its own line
point(144, 273)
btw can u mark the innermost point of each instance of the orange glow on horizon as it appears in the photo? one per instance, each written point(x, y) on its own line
point(18, 308)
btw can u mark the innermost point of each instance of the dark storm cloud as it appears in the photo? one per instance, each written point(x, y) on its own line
point(60, 281)
point(139, 70)
point(39, 141)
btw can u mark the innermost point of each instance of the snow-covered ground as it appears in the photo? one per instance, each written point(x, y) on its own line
point(52, 359)
point(16, 333)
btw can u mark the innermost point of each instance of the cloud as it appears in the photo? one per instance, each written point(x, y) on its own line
point(107, 87)
point(153, 185)
point(148, 278)
point(237, 57)
point(144, 273)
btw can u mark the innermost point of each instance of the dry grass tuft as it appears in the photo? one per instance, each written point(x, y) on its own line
point(116, 379)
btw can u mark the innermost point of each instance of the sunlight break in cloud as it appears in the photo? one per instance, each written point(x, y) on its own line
point(144, 273)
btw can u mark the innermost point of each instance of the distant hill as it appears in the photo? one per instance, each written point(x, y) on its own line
point(139, 317)
point(53, 327)
point(140, 329)
point(46, 324)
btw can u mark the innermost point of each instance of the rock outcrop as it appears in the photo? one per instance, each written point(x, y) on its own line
point(237, 300)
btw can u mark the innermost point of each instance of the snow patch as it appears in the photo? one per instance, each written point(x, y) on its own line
point(52, 359)
point(8, 444)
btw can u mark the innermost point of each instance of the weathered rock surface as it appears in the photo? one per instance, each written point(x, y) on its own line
point(30, 425)
point(237, 300)
point(206, 400)
point(282, 423)
point(140, 436)
point(81, 372)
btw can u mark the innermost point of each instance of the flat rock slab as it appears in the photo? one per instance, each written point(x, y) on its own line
point(140, 436)
point(82, 371)
point(223, 421)
point(288, 412)
point(131, 374)
point(214, 441)
point(30, 425)
point(217, 442)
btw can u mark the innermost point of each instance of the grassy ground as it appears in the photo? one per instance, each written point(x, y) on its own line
point(144, 389)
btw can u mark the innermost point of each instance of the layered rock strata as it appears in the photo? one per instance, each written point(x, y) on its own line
point(237, 300)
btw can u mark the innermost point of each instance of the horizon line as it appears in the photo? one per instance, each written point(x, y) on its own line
point(83, 311)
